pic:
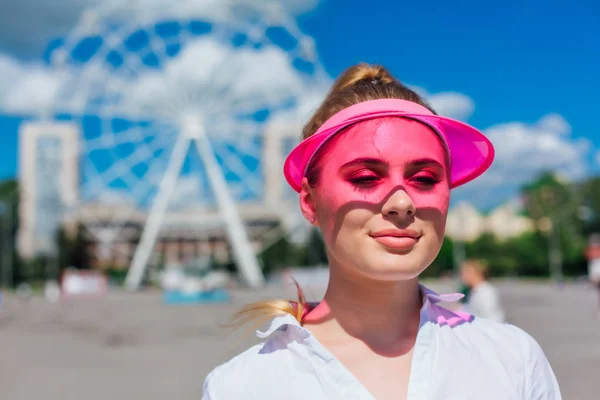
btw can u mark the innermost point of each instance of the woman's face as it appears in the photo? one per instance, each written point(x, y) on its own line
point(382, 198)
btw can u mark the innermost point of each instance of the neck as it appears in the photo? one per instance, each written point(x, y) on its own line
point(381, 314)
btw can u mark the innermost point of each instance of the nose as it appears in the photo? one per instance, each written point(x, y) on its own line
point(399, 205)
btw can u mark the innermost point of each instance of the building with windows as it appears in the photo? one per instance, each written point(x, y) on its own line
point(49, 183)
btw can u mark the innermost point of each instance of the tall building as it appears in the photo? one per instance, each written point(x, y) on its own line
point(280, 140)
point(49, 182)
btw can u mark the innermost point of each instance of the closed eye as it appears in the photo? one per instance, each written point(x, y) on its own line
point(425, 182)
point(427, 179)
point(363, 179)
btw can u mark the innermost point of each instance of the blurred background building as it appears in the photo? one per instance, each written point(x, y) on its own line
point(49, 181)
point(465, 222)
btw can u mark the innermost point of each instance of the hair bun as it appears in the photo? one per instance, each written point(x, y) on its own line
point(373, 74)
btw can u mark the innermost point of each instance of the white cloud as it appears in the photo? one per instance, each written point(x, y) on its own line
point(452, 104)
point(25, 87)
point(449, 104)
point(208, 74)
point(554, 123)
point(525, 150)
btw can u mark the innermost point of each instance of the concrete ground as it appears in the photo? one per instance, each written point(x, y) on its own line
point(131, 346)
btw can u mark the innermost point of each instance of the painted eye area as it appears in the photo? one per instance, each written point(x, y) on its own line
point(367, 179)
point(364, 179)
point(426, 179)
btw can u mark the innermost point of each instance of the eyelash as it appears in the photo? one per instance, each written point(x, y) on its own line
point(364, 180)
point(426, 180)
point(365, 183)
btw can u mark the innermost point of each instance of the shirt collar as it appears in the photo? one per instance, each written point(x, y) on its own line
point(429, 313)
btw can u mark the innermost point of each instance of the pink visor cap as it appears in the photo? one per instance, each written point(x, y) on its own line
point(470, 152)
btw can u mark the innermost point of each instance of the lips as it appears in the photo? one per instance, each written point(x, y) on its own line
point(399, 233)
point(398, 239)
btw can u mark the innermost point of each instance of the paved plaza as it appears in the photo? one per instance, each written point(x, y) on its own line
point(131, 346)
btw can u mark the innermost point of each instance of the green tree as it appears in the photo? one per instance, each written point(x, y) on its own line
point(275, 256)
point(555, 207)
point(10, 263)
point(72, 249)
point(316, 254)
point(443, 263)
point(589, 193)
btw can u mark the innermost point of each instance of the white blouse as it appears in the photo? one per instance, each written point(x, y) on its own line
point(455, 357)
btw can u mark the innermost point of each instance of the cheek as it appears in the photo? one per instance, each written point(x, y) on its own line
point(433, 206)
point(343, 210)
point(437, 199)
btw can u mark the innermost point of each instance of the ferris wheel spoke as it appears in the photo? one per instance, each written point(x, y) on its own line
point(121, 168)
point(141, 190)
point(133, 135)
point(236, 166)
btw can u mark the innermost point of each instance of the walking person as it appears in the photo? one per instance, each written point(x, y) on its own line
point(484, 299)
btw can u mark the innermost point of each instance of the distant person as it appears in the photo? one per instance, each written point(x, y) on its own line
point(374, 174)
point(593, 256)
point(483, 300)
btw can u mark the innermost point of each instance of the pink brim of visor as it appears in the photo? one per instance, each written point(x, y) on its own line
point(470, 152)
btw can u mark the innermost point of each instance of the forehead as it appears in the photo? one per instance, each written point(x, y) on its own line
point(394, 139)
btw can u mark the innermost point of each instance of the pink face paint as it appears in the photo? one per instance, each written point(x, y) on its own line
point(374, 165)
point(399, 149)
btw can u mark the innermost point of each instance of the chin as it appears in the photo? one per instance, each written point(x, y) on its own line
point(395, 267)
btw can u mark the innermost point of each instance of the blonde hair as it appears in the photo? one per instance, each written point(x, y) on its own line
point(359, 83)
point(262, 311)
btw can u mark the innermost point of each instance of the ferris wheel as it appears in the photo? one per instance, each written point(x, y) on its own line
point(181, 95)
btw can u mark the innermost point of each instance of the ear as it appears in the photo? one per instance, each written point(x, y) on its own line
point(307, 203)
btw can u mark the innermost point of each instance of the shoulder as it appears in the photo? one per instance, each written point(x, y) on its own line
point(492, 336)
point(512, 354)
point(267, 367)
point(229, 379)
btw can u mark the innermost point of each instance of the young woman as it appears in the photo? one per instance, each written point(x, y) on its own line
point(374, 173)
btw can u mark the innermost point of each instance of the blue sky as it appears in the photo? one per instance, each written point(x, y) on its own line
point(529, 71)
point(517, 60)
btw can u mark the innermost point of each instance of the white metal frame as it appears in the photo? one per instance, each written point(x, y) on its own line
point(242, 248)
point(189, 131)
